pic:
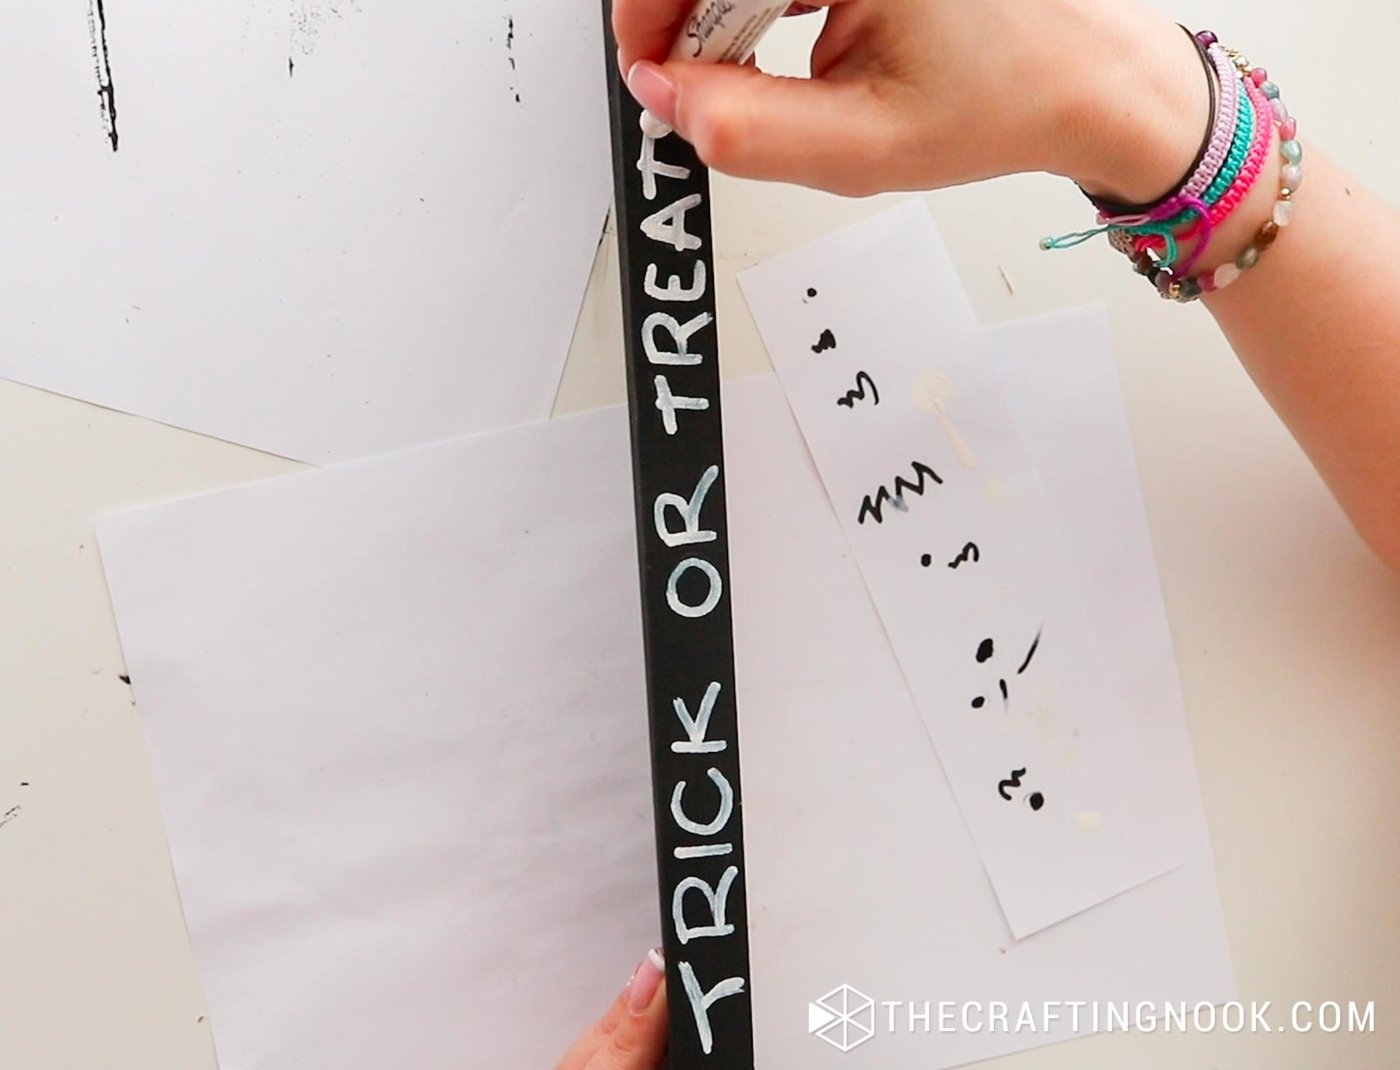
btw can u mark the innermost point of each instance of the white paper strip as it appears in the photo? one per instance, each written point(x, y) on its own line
point(943, 508)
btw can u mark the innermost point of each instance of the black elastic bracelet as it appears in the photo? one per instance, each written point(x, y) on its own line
point(1112, 209)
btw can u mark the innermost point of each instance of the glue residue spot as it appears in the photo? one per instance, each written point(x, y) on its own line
point(1089, 821)
point(933, 391)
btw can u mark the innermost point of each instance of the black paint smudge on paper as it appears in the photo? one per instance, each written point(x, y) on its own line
point(510, 56)
point(875, 505)
point(106, 91)
point(970, 552)
point(1030, 655)
point(863, 380)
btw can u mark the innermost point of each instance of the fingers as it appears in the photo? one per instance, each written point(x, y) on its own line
point(632, 1034)
point(586, 1046)
point(639, 1039)
point(831, 135)
point(645, 29)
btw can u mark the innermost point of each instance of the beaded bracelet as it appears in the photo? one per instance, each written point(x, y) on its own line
point(1291, 178)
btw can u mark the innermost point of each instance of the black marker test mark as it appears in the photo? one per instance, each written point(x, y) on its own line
point(1035, 798)
point(985, 652)
point(1013, 782)
point(1030, 654)
point(510, 55)
point(858, 394)
point(811, 293)
point(106, 91)
point(825, 342)
point(876, 506)
point(970, 552)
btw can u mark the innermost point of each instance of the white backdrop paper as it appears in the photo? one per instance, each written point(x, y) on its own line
point(396, 714)
point(329, 230)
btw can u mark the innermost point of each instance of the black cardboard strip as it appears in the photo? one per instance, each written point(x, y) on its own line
point(673, 388)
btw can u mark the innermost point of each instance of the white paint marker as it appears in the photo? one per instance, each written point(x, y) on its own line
point(719, 31)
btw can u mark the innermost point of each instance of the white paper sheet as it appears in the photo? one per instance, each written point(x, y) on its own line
point(397, 718)
point(945, 513)
point(329, 230)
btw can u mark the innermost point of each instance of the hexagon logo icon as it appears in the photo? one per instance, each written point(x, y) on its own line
point(844, 1018)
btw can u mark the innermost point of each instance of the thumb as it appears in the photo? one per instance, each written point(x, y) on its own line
point(638, 1040)
point(832, 135)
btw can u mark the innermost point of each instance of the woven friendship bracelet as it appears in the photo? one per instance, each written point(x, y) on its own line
point(1260, 88)
point(1244, 165)
point(1247, 114)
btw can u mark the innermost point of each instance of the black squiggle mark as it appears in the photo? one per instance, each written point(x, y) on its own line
point(106, 91)
point(1031, 654)
point(876, 506)
point(970, 552)
point(1014, 782)
point(10, 814)
point(858, 394)
point(825, 342)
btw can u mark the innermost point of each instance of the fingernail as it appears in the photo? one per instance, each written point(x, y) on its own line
point(654, 90)
point(641, 990)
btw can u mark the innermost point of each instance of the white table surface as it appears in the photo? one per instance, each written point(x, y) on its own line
point(1287, 630)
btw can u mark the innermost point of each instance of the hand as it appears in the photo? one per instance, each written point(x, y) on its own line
point(918, 94)
point(632, 1035)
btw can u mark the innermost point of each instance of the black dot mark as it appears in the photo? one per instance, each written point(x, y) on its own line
point(978, 702)
point(985, 650)
point(1036, 800)
point(926, 560)
point(826, 342)
point(811, 292)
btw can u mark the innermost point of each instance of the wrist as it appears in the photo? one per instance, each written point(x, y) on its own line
point(1136, 121)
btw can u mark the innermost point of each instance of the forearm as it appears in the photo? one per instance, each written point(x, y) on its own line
point(1316, 323)
point(1317, 326)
